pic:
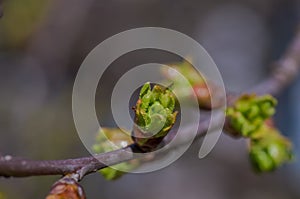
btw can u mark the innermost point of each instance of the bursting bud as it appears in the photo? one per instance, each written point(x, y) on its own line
point(269, 150)
point(249, 113)
point(154, 116)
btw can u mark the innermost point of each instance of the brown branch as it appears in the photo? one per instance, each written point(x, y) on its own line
point(21, 167)
point(285, 71)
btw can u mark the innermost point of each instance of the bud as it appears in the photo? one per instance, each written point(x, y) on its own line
point(269, 150)
point(154, 116)
point(109, 139)
point(66, 187)
point(249, 113)
point(201, 87)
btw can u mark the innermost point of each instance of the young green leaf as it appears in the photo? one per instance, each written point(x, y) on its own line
point(154, 116)
point(109, 139)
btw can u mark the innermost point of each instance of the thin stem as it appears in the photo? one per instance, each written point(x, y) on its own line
point(285, 71)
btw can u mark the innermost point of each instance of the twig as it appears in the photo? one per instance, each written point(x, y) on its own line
point(283, 74)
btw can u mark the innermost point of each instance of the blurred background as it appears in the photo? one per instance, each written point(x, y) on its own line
point(43, 43)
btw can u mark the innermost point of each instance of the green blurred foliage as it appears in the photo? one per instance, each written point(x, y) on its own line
point(20, 20)
point(2, 196)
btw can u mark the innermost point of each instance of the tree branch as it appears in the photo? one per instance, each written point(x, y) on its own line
point(21, 167)
point(284, 72)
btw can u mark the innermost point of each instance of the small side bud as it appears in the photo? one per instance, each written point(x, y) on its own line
point(201, 87)
point(67, 187)
point(109, 139)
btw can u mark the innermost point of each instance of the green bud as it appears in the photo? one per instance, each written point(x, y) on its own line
point(249, 112)
point(154, 115)
point(261, 160)
point(109, 139)
point(269, 150)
